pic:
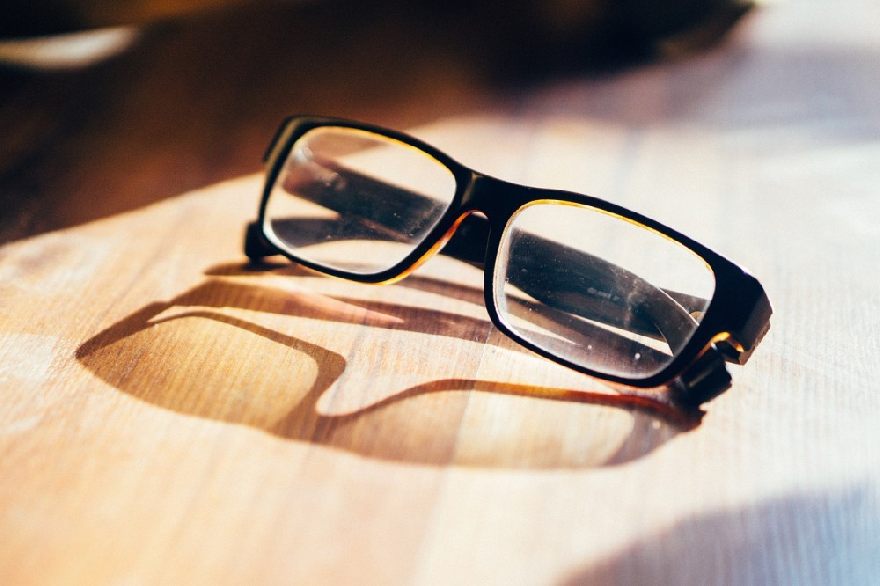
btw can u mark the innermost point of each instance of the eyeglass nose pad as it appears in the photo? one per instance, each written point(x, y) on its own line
point(470, 240)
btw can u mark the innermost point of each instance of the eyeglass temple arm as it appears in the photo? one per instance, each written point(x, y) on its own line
point(661, 311)
point(584, 284)
point(580, 274)
point(581, 283)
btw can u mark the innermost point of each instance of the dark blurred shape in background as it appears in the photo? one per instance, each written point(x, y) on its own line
point(164, 97)
point(554, 30)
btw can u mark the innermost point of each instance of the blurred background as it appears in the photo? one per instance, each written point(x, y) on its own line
point(109, 106)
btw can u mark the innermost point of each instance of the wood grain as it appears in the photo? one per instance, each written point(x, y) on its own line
point(169, 416)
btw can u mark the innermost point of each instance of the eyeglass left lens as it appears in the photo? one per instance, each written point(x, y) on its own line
point(356, 201)
point(598, 290)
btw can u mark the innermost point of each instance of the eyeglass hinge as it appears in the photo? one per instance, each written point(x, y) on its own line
point(704, 379)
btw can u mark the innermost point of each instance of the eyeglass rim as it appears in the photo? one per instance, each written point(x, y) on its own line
point(735, 320)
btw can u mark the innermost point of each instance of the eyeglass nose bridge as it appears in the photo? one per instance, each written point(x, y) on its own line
point(485, 207)
point(496, 198)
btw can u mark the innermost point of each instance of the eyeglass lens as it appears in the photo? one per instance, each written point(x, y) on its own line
point(598, 290)
point(356, 201)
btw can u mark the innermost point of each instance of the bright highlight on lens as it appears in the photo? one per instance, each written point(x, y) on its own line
point(597, 290)
point(356, 201)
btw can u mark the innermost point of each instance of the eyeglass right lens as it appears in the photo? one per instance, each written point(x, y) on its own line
point(356, 201)
point(598, 290)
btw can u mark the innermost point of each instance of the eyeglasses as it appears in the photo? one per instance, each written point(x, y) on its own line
point(581, 281)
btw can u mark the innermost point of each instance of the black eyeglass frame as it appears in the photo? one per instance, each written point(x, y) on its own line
point(734, 322)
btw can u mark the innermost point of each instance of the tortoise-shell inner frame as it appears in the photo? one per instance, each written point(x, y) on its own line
point(735, 320)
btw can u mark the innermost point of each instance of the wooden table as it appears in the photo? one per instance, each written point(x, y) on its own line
point(169, 416)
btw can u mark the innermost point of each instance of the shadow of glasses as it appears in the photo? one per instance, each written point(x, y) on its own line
point(206, 354)
point(455, 323)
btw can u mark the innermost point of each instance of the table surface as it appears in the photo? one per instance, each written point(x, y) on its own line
point(169, 416)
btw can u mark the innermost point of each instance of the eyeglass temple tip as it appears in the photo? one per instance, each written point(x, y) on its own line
point(256, 248)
